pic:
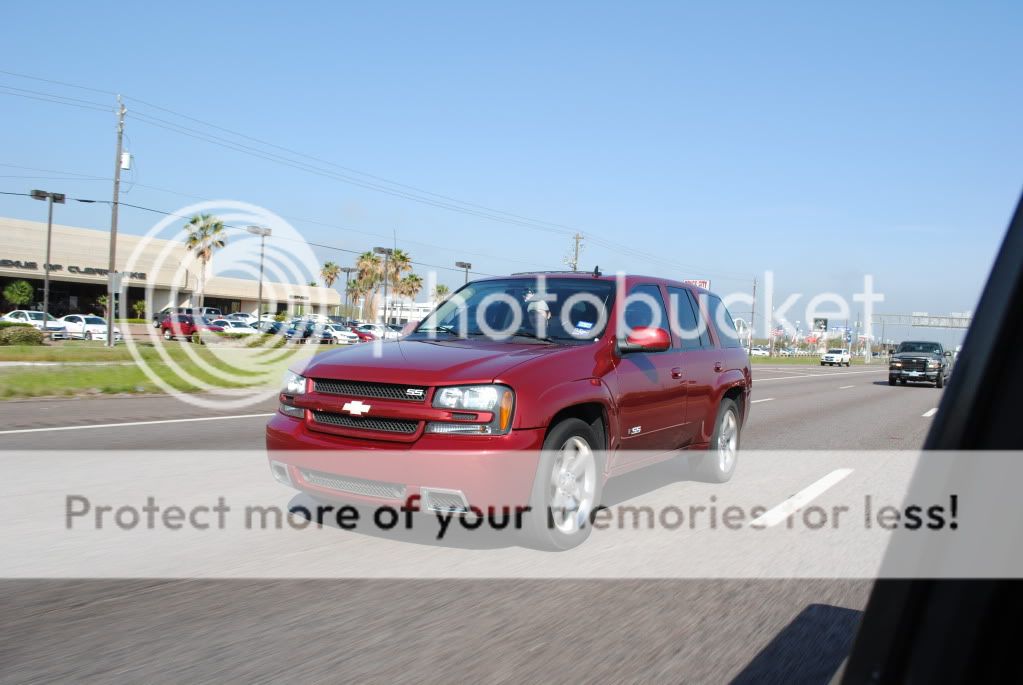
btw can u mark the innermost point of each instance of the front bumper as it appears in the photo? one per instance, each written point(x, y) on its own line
point(490, 472)
point(929, 375)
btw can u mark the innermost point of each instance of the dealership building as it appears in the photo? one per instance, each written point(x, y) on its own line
point(78, 274)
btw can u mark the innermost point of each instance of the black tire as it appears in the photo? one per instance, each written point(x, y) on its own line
point(902, 380)
point(88, 336)
point(196, 338)
point(940, 383)
point(167, 335)
point(715, 465)
point(822, 363)
point(891, 381)
point(540, 526)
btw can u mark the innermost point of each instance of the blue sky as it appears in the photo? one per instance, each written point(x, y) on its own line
point(821, 142)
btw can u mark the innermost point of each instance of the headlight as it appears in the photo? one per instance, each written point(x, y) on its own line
point(896, 363)
point(294, 384)
point(475, 398)
point(933, 364)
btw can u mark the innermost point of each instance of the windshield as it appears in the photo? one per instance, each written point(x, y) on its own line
point(836, 351)
point(921, 347)
point(562, 309)
point(95, 321)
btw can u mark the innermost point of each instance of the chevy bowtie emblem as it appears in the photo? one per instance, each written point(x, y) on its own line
point(356, 408)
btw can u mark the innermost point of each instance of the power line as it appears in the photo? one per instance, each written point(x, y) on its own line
point(441, 201)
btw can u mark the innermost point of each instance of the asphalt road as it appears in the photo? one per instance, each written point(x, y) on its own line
point(509, 630)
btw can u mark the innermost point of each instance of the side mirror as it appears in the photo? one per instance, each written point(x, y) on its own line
point(644, 339)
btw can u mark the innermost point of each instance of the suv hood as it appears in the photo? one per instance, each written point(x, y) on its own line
point(916, 355)
point(425, 362)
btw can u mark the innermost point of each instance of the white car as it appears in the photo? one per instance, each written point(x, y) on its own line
point(836, 357)
point(88, 327)
point(342, 334)
point(233, 326)
point(54, 328)
point(379, 330)
point(759, 352)
point(250, 319)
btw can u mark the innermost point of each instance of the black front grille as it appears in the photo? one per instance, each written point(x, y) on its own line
point(367, 423)
point(914, 364)
point(385, 391)
point(357, 486)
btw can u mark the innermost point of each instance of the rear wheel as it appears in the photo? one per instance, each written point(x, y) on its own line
point(167, 334)
point(88, 336)
point(717, 464)
point(566, 488)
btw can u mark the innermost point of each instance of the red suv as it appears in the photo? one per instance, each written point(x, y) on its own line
point(530, 390)
point(186, 326)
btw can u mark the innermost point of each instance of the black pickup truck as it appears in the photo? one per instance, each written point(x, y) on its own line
point(920, 362)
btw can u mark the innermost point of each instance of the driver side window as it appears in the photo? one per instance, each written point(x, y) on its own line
point(645, 308)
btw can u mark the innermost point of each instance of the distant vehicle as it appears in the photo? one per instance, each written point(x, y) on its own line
point(920, 361)
point(208, 312)
point(310, 332)
point(271, 327)
point(342, 334)
point(364, 336)
point(54, 328)
point(243, 317)
point(230, 326)
point(187, 326)
point(379, 331)
point(836, 356)
point(88, 327)
point(786, 353)
point(759, 352)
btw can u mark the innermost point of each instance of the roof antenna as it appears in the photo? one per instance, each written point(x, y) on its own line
point(596, 272)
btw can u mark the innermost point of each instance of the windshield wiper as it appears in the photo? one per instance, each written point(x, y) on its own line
point(530, 334)
point(450, 330)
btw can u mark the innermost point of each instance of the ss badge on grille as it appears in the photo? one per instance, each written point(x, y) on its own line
point(356, 408)
point(415, 392)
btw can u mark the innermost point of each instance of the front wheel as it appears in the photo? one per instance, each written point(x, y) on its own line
point(940, 383)
point(891, 381)
point(167, 334)
point(566, 488)
point(717, 464)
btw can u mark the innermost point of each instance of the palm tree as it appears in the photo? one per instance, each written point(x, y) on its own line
point(205, 236)
point(399, 263)
point(409, 287)
point(440, 292)
point(371, 275)
point(330, 273)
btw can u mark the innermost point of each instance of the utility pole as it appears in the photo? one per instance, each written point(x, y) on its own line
point(752, 319)
point(386, 252)
point(578, 237)
point(262, 232)
point(112, 265)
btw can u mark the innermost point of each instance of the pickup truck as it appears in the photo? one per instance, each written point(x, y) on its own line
point(920, 361)
point(836, 357)
point(530, 391)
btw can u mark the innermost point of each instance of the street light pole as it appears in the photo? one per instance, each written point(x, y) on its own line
point(386, 252)
point(466, 266)
point(262, 232)
point(50, 199)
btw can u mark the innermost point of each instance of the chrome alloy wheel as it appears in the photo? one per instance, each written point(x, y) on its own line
point(573, 485)
point(728, 441)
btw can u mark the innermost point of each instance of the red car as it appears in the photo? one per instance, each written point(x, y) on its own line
point(186, 326)
point(582, 377)
point(364, 336)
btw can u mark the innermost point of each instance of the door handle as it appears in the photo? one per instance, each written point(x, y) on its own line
point(676, 373)
point(717, 366)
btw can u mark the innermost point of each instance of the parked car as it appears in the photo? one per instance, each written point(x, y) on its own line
point(271, 327)
point(88, 327)
point(920, 361)
point(836, 356)
point(54, 328)
point(342, 334)
point(243, 317)
point(235, 327)
point(378, 331)
point(187, 326)
point(599, 390)
point(759, 352)
point(207, 312)
point(364, 336)
point(310, 332)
